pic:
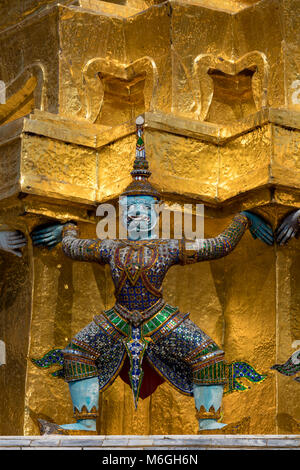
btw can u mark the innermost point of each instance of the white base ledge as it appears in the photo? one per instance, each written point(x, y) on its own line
point(164, 442)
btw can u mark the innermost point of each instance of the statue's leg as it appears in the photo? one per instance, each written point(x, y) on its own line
point(208, 400)
point(91, 362)
point(200, 369)
point(85, 399)
point(81, 373)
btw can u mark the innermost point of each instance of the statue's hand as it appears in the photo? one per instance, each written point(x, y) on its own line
point(12, 242)
point(288, 228)
point(259, 228)
point(47, 235)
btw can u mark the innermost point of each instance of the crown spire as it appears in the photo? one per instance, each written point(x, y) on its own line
point(140, 173)
point(140, 166)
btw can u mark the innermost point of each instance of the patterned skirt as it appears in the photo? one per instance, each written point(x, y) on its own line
point(168, 344)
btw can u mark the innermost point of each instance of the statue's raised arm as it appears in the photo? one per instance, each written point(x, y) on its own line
point(84, 249)
point(224, 244)
point(74, 247)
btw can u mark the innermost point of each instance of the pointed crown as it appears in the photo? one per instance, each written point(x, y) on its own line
point(140, 173)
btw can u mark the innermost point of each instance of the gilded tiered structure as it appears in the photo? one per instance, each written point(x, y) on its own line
point(218, 84)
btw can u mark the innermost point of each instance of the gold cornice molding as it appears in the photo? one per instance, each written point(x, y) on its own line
point(57, 158)
point(123, 12)
point(81, 132)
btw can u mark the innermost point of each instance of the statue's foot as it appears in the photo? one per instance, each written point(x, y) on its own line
point(66, 429)
point(239, 427)
point(209, 424)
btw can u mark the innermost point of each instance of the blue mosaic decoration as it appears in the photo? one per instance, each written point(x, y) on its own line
point(51, 358)
point(136, 346)
point(236, 370)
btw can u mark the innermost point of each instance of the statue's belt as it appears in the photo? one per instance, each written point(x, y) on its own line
point(136, 317)
point(137, 337)
point(148, 327)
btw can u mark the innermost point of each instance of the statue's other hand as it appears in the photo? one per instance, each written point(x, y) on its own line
point(259, 228)
point(47, 235)
point(12, 241)
point(288, 228)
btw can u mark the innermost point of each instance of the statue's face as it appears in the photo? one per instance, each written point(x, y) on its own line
point(139, 216)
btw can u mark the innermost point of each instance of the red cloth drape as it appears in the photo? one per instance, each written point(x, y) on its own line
point(151, 379)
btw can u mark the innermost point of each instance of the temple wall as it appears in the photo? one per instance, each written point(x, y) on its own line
point(15, 321)
point(217, 82)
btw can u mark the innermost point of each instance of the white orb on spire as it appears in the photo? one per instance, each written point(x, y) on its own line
point(139, 120)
